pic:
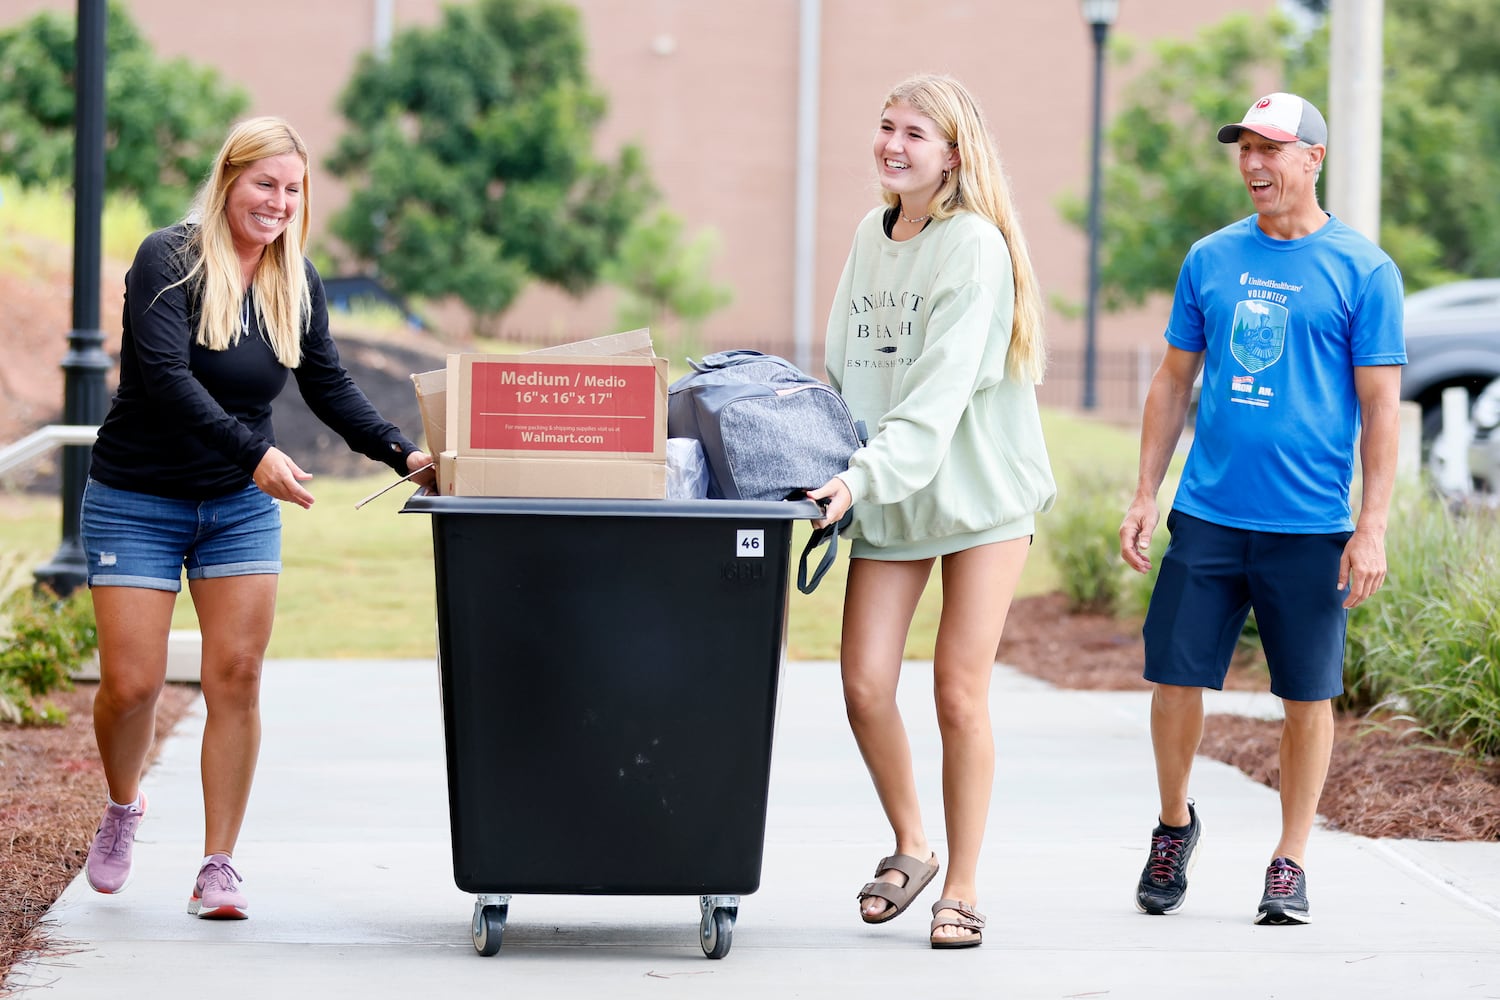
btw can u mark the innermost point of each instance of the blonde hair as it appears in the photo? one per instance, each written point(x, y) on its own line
point(283, 299)
point(978, 184)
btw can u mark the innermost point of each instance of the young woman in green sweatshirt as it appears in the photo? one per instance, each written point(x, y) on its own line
point(935, 340)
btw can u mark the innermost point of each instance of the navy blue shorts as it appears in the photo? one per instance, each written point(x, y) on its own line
point(139, 540)
point(1210, 579)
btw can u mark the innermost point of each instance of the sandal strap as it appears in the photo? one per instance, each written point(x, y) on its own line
point(888, 891)
point(918, 874)
point(968, 917)
point(912, 868)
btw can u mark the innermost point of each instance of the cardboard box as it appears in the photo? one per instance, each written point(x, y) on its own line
point(432, 387)
point(432, 403)
point(557, 406)
point(634, 343)
point(469, 476)
point(602, 434)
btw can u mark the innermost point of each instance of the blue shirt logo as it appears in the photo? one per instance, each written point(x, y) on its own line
point(1259, 334)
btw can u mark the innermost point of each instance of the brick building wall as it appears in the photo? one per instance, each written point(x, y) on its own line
point(710, 89)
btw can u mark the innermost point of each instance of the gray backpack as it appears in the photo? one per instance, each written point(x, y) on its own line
point(769, 431)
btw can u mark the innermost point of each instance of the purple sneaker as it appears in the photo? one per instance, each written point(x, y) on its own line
point(108, 865)
point(216, 894)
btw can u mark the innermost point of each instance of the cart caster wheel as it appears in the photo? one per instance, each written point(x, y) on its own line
point(489, 928)
point(716, 931)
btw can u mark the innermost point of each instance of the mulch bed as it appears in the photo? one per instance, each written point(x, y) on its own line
point(1387, 779)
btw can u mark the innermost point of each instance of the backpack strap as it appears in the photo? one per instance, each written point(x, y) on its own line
point(829, 534)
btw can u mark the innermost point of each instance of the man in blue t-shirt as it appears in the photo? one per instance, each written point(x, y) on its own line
point(1294, 321)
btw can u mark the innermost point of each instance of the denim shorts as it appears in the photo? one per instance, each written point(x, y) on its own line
point(1212, 576)
point(139, 540)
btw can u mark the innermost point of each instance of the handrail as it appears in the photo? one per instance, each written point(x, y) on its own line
point(44, 440)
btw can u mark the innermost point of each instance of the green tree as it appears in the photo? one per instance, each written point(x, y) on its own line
point(666, 281)
point(163, 119)
point(470, 153)
point(1440, 139)
point(1168, 182)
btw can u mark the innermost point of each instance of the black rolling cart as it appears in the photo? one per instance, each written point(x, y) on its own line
point(609, 675)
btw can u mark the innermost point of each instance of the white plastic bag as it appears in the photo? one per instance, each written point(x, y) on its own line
point(687, 469)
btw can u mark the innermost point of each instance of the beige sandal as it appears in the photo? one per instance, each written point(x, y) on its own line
point(918, 874)
point(968, 918)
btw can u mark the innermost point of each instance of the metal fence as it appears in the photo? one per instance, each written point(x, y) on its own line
point(1121, 378)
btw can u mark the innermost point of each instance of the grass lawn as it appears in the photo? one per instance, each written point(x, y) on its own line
point(359, 583)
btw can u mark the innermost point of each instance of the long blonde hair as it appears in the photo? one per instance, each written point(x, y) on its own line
point(978, 184)
point(283, 299)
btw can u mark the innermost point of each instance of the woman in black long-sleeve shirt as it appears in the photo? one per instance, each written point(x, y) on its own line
point(186, 475)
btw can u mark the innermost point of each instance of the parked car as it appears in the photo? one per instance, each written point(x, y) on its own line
point(1452, 339)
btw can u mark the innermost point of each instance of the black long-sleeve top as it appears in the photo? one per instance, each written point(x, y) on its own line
point(190, 423)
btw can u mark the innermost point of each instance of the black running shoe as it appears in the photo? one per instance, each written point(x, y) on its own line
point(1164, 880)
point(1285, 901)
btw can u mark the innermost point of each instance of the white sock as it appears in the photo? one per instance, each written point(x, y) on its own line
point(126, 805)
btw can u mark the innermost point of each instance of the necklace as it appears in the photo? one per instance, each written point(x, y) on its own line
point(919, 219)
point(245, 315)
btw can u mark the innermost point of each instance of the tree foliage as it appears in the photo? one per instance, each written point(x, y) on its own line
point(665, 279)
point(1440, 145)
point(470, 149)
point(163, 119)
point(1168, 182)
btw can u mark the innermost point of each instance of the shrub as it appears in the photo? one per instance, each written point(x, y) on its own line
point(1428, 644)
point(1085, 543)
point(42, 638)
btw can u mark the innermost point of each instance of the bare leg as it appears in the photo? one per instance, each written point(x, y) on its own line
point(1176, 732)
point(235, 615)
point(133, 623)
point(1306, 745)
point(978, 585)
point(879, 602)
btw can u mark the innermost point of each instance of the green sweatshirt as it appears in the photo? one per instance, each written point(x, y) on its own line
point(917, 342)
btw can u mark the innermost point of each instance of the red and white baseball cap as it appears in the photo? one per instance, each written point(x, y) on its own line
point(1281, 118)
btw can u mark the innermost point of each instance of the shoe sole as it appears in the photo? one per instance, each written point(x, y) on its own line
point(1163, 911)
point(195, 909)
point(1282, 918)
point(968, 941)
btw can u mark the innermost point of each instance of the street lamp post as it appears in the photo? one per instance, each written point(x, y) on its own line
point(1099, 14)
point(85, 397)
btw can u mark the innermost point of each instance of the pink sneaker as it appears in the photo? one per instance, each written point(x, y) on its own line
point(108, 865)
point(216, 894)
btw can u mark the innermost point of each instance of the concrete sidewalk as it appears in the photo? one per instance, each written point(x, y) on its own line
point(348, 866)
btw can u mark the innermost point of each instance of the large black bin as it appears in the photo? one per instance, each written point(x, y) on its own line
point(609, 682)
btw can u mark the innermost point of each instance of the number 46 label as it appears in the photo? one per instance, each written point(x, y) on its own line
point(750, 544)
